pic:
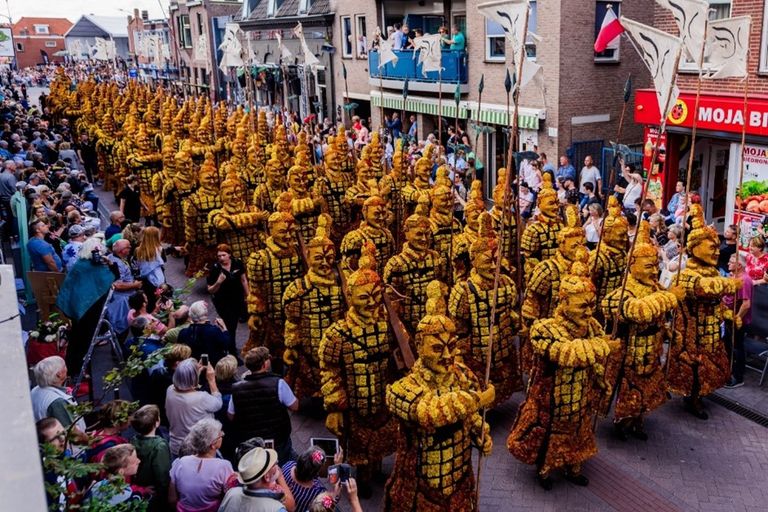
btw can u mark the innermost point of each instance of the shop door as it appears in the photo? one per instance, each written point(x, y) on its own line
point(717, 183)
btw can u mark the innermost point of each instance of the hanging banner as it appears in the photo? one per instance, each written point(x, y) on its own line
point(6, 43)
point(656, 180)
point(750, 205)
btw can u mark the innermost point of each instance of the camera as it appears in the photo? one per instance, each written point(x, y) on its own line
point(341, 473)
point(204, 359)
point(96, 257)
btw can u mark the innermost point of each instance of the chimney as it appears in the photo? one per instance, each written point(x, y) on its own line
point(145, 15)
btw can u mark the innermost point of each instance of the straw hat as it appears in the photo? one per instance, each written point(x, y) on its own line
point(255, 464)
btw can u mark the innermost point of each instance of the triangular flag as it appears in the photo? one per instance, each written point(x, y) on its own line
point(659, 51)
point(610, 31)
point(507, 82)
point(231, 48)
point(628, 89)
point(481, 85)
point(386, 55)
point(728, 47)
point(429, 51)
point(285, 53)
point(691, 19)
point(309, 58)
point(511, 15)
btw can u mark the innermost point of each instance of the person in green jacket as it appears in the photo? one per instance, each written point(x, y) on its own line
point(154, 453)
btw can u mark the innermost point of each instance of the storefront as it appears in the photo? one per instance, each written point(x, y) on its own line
point(716, 162)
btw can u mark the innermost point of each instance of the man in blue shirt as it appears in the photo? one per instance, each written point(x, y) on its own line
point(566, 170)
point(401, 38)
point(41, 254)
point(395, 126)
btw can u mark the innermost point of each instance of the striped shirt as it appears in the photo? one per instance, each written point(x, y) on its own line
point(304, 496)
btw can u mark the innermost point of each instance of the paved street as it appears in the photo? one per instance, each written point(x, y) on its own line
point(718, 465)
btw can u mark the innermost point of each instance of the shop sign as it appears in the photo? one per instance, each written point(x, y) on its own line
point(656, 179)
point(715, 112)
point(751, 204)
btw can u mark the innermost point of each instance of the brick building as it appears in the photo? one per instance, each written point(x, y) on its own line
point(582, 100)
point(39, 39)
point(150, 47)
point(189, 19)
point(720, 121)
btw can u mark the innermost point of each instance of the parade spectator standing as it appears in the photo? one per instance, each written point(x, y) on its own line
point(589, 197)
point(727, 248)
point(264, 488)
point(531, 175)
point(302, 476)
point(116, 220)
point(204, 337)
point(413, 129)
point(185, 405)
point(593, 224)
point(735, 329)
point(457, 40)
point(395, 126)
point(7, 188)
point(757, 260)
point(674, 202)
point(69, 155)
point(42, 255)
point(260, 404)
point(120, 463)
point(546, 165)
point(565, 170)
point(199, 480)
point(634, 187)
point(401, 38)
point(76, 239)
point(590, 174)
point(161, 376)
point(154, 454)
point(151, 260)
point(130, 199)
point(49, 398)
point(125, 286)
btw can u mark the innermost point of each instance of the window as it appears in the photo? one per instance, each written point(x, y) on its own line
point(185, 31)
point(346, 37)
point(495, 42)
point(718, 10)
point(41, 29)
point(199, 23)
point(19, 47)
point(610, 54)
point(273, 6)
point(361, 39)
point(304, 6)
point(50, 44)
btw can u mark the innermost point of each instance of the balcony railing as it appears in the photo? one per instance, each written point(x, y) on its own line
point(393, 74)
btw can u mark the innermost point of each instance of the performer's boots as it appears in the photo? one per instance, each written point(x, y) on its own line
point(694, 406)
point(637, 430)
point(573, 475)
point(620, 429)
point(544, 480)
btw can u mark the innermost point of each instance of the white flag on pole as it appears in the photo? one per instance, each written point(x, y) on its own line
point(231, 48)
point(386, 55)
point(659, 52)
point(691, 19)
point(430, 52)
point(728, 46)
point(285, 53)
point(510, 14)
point(100, 51)
point(309, 58)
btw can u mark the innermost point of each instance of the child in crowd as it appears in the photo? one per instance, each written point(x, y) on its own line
point(120, 464)
point(154, 453)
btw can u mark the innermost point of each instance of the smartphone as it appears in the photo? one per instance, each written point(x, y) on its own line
point(341, 473)
point(204, 359)
point(269, 443)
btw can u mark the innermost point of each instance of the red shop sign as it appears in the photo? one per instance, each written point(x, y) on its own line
point(723, 113)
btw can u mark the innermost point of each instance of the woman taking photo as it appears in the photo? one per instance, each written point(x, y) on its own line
point(229, 286)
point(150, 260)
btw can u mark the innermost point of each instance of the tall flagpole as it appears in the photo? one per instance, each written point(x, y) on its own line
point(497, 276)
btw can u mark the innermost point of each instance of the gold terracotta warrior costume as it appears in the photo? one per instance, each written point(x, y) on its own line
point(462, 243)
point(504, 221)
point(306, 206)
point(445, 227)
point(311, 304)
point(539, 240)
point(553, 428)
point(356, 195)
point(235, 224)
point(201, 238)
point(373, 229)
point(699, 363)
point(270, 271)
point(470, 308)
point(105, 150)
point(420, 187)
point(641, 312)
point(266, 194)
point(168, 215)
point(608, 265)
point(376, 155)
point(333, 186)
point(409, 272)
point(183, 183)
point(437, 405)
point(355, 355)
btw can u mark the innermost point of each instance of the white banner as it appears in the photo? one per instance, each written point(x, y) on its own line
point(691, 19)
point(386, 55)
point(728, 45)
point(309, 57)
point(430, 53)
point(511, 15)
point(6, 43)
point(231, 48)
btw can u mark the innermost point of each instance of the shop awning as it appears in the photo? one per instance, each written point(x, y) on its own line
point(528, 118)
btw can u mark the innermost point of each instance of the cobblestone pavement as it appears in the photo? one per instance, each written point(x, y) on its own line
point(718, 465)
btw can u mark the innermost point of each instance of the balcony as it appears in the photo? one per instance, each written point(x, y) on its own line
point(393, 75)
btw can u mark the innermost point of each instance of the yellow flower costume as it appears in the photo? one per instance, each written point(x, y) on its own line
point(539, 240)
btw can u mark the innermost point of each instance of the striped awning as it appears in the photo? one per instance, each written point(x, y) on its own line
point(528, 120)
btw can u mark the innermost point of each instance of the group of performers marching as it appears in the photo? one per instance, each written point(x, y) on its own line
point(404, 323)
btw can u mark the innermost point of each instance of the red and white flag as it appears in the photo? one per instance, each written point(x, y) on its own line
point(610, 30)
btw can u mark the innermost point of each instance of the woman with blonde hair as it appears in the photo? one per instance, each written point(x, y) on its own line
point(150, 260)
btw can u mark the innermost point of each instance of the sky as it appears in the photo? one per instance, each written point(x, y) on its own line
point(73, 9)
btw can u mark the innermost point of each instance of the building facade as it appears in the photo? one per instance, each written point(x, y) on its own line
point(198, 65)
point(83, 34)
point(720, 121)
point(577, 111)
point(151, 48)
point(39, 40)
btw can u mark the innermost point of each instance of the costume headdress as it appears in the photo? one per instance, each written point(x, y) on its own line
point(475, 201)
point(700, 231)
point(576, 281)
point(366, 272)
point(435, 321)
point(615, 226)
point(282, 211)
point(322, 233)
point(572, 228)
point(547, 190)
point(643, 246)
point(486, 236)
